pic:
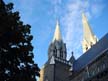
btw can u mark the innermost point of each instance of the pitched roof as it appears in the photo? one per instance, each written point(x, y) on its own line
point(95, 51)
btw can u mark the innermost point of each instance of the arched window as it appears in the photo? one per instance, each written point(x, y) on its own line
point(61, 53)
point(55, 52)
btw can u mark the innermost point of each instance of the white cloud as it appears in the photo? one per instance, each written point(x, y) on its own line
point(72, 22)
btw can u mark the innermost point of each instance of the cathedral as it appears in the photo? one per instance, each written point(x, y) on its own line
point(92, 65)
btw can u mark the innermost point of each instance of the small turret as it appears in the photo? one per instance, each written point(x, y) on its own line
point(72, 59)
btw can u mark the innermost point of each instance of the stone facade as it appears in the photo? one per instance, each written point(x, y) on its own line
point(56, 72)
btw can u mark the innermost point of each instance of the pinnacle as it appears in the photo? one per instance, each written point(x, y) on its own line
point(57, 34)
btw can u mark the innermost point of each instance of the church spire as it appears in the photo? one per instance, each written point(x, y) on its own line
point(89, 38)
point(57, 34)
point(86, 28)
point(57, 48)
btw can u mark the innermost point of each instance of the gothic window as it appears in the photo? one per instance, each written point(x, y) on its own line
point(61, 54)
point(55, 52)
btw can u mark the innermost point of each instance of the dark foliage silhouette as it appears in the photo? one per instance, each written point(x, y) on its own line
point(16, 50)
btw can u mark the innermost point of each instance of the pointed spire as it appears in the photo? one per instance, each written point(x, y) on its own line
point(86, 28)
point(57, 34)
point(89, 38)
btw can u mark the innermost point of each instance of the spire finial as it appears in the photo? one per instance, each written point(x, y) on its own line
point(57, 34)
point(88, 36)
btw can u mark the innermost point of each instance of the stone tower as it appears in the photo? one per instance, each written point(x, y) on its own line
point(89, 39)
point(57, 68)
point(57, 48)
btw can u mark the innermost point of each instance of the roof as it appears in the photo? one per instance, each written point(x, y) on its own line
point(95, 51)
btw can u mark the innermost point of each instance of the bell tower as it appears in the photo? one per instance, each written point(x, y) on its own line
point(57, 48)
point(57, 67)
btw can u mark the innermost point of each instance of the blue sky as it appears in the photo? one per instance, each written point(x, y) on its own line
point(42, 16)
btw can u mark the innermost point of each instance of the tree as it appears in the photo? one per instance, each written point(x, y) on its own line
point(16, 50)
